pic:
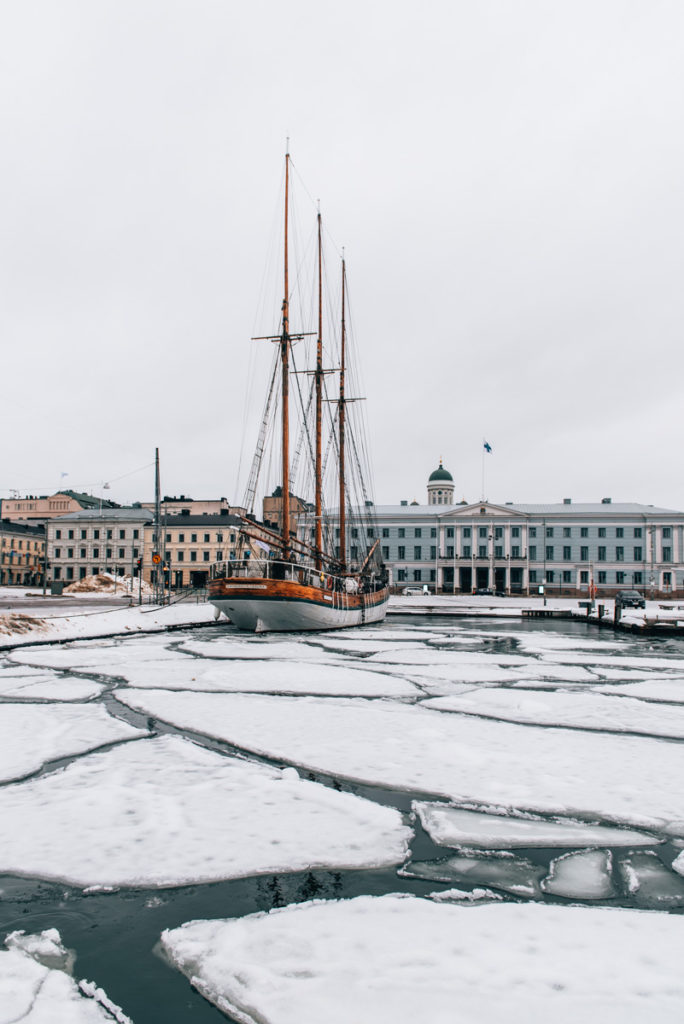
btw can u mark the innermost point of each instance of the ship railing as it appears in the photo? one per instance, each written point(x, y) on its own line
point(276, 569)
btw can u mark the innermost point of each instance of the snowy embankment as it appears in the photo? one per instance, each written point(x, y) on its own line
point(50, 626)
point(400, 959)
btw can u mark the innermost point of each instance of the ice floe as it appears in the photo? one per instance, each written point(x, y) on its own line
point(504, 871)
point(349, 679)
point(670, 691)
point(402, 959)
point(581, 876)
point(34, 985)
point(33, 734)
point(577, 710)
point(451, 826)
point(162, 812)
point(237, 647)
point(34, 684)
point(106, 661)
point(649, 882)
point(628, 779)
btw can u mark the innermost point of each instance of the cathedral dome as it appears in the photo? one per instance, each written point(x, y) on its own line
point(440, 474)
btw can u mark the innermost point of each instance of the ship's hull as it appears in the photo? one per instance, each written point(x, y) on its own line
point(262, 605)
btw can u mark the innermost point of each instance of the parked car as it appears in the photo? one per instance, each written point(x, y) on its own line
point(484, 592)
point(630, 599)
point(412, 592)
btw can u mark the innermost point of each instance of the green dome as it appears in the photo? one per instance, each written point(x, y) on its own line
point(441, 474)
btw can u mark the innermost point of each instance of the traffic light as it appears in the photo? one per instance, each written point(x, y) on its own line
point(139, 563)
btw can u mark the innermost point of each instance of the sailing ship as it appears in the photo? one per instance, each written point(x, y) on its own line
point(303, 572)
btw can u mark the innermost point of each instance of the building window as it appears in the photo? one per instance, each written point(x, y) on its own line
point(193, 538)
point(533, 552)
point(417, 575)
point(667, 579)
point(482, 531)
point(401, 575)
point(433, 576)
point(667, 554)
point(637, 578)
point(136, 552)
point(70, 572)
point(109, 534)
point(533, 531)
point(482, 551)
point(354, 532)
point(667, 532)
point(83, 553)
point(602, 576)
point(533, 575)
point(567, 576)
point(601, 531)
point(180, 555)
point(122, 535)
point(181, 538)
point(219, 538)
point(193, 556)
point(584, 576)
point(567, 532)
point(96, 552)
point(601, 554)
point(57, 573)
point(567, 553)
point(466, 531)
point(619, 554)
point(549, 553)
point(417, 553)
point(466, 550)
point(450, 551)
point(638, 554)
point(168, 538)
point(371, 531)
point(498, 551)
point(549, 531)
point(433, 531)
point(58, 534)
point(515, 551)
point(433, 551)
point(417, 532)
point(108, 553)
point(619, 577)
point(205, 556)
point(206, 538)
point(136, 535)
point(401, 552)
point(58, 552)
point(450, 531)
point(337, 533)
point(122, 552)
point(498, 532)
point(71, 535)
point(515, 531)
point(84, 534)
point(82, 573)
point(70, 552)
point(385, 531)
point(550, 576)
point(385, 552)
point(219, 556)
point(584, 554)
point(401, 532)
point(96, 534)
point(637, 531)
point(619, 531)
point(584, 531)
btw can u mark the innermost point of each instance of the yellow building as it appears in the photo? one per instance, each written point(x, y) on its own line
point(22, 553)
point(190, 545)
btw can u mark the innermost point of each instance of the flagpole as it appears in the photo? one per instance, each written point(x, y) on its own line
point(483, 470)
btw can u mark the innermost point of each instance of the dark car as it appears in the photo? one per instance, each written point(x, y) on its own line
point(630, 599)
point(484, 592)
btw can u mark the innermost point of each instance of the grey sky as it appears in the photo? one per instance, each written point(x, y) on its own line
point(506, 178)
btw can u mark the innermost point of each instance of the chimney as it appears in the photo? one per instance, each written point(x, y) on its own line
point(606, 501)
point(567, 501)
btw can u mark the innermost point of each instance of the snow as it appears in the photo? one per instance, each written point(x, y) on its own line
point(464, 669)
point(451, 826)
point(581, 876)
point(33, 734)
point(236, 646)
point(576, 710)
point(107, 658)
point(401, 959)
point(164, 812)
point(265, 676)
point(660, 689)
point(650, 882)
point(630, 779)
point(32, 684)
point(33, 991)
point(500, 870)
point(111, 622)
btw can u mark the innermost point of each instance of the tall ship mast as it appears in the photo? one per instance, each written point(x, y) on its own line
point(292, 575)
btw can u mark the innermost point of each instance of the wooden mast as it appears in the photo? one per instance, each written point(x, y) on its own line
point(319, 409)
point(285, 377)
point(342, 517)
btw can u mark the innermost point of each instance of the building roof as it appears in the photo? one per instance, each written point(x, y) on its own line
point(9, 526)
point(88, 500)
point(440, 474)
point(227, 519)
point(597, 508)
point(137, 515)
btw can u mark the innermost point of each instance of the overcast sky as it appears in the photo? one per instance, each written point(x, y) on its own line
point(507, 179)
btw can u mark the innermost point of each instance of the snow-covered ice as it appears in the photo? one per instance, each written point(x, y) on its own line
point(649, 882)
point(500, 870)
point(579, 710)
point(670, 691)
point(581, 876)
point(235, 646)
point(107, 659)
point(401, 959)
point(266, 677)
point(33, 734)
point(161, 812)
point(34, 684)
point(627, 779)
point(34, 992)
point(451, 826)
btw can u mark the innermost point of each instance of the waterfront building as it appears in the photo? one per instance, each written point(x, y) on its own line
point(95, 540)
point(183, 505)
point(566, 548)
point(22, 553)
point(38, 508)
point(191, 544)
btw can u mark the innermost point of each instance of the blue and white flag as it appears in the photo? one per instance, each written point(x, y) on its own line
point(62, 475)
point(260, 544)
point(487, 447)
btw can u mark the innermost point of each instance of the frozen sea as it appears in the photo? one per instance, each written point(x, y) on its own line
point(207, 776)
